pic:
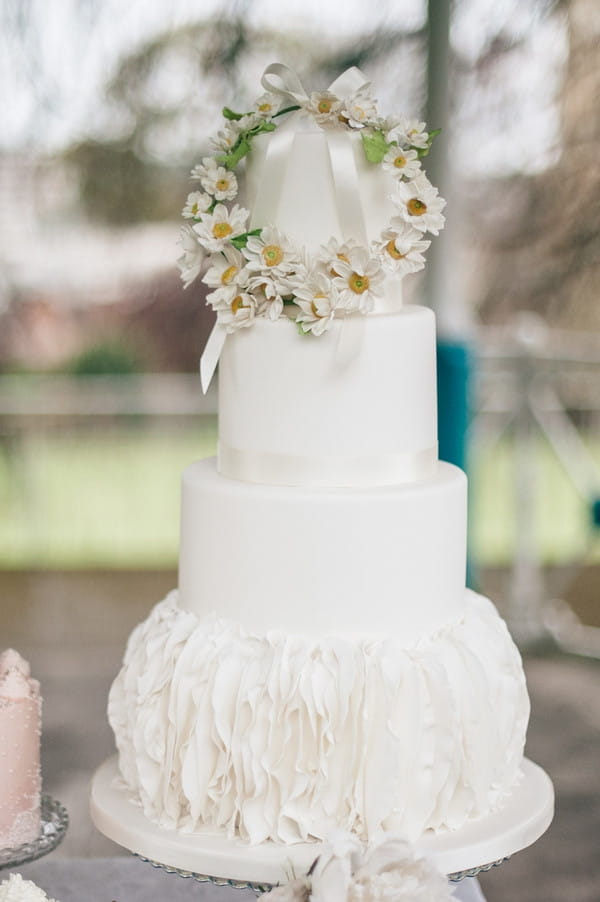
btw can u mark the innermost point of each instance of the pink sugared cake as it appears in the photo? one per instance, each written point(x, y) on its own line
point(20, 728)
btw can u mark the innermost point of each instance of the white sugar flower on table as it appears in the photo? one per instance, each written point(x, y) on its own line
point(16, 889)
point(419, 204)
point(388, 870)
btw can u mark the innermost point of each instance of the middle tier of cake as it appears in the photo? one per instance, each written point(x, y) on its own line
point(384, 560)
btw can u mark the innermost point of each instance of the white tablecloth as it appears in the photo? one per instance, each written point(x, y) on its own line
point(127, 879)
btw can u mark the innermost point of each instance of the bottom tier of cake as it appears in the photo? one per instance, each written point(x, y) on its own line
point(287, 738)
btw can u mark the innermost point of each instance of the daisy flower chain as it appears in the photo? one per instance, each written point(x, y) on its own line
point(260, 272)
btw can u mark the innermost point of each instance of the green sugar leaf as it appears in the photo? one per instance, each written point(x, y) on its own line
point(240, 241)
point(375, 146)
point(239, 151)
point(229, 114)
point(263, 126)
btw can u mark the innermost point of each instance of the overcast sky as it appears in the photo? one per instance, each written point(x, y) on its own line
point(57, 55)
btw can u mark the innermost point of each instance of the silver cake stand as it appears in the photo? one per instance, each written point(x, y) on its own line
point(54, 823)
point(478, 846)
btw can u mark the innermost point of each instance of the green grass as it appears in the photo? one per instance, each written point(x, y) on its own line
point(561, 519)
point(110, 498)
point(98, 499)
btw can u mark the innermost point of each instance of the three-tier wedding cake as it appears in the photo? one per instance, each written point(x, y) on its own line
point(321, 665)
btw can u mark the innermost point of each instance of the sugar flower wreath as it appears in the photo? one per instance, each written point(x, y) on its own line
point(260, 272)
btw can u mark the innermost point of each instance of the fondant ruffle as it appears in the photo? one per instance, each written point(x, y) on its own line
point(286, 738)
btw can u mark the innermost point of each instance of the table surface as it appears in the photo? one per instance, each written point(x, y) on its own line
point(132, 880)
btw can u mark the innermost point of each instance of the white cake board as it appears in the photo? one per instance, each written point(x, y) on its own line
point(525, 816)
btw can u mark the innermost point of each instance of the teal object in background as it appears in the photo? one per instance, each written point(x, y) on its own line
point(454, 370)
point(454, 373)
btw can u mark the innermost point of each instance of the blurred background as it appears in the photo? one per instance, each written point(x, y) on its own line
point(105, 108)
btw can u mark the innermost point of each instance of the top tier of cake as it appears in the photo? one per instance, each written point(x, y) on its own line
point(315, 184)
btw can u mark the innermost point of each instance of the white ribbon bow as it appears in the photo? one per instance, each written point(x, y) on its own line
point(281, 80)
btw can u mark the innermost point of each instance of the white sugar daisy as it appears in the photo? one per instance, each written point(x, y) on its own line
point(215, 230)
point(328, 254)
point(318, 299)
point(360, 108)
point(226, 138)
point(420, 205)
point(201, 170)
point(267, 105)
point(324, 106)
point(248, 121)
point(358, 280)
point(268, 294)
point(235, 308)
point(401, 248)
point(191, 261)
point(197, 202)
point(221, 183)
point(226, 268)
point(406, 132)
point(271, 252)
point(16, 889)
point(402, 163)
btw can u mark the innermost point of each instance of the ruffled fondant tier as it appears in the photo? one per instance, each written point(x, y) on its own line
point(287, 738)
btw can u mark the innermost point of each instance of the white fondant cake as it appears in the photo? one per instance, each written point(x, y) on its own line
point(322, 664)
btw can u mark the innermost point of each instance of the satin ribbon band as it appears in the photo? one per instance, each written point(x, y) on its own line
point(367, 471)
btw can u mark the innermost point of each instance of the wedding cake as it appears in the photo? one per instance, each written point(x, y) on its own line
point(321, 665)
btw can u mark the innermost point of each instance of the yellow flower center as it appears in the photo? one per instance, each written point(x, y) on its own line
point(228, 274)
point(333, 270)
point(313, 305)
point(194, 208)
point(265, 107)
point(272, 254)
point(357, 283)
point(393, 250)
point(222, 184)
point(221, 230)
point(324, 105)
point(416, 207)
point(237, 304)
point(400, 161)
